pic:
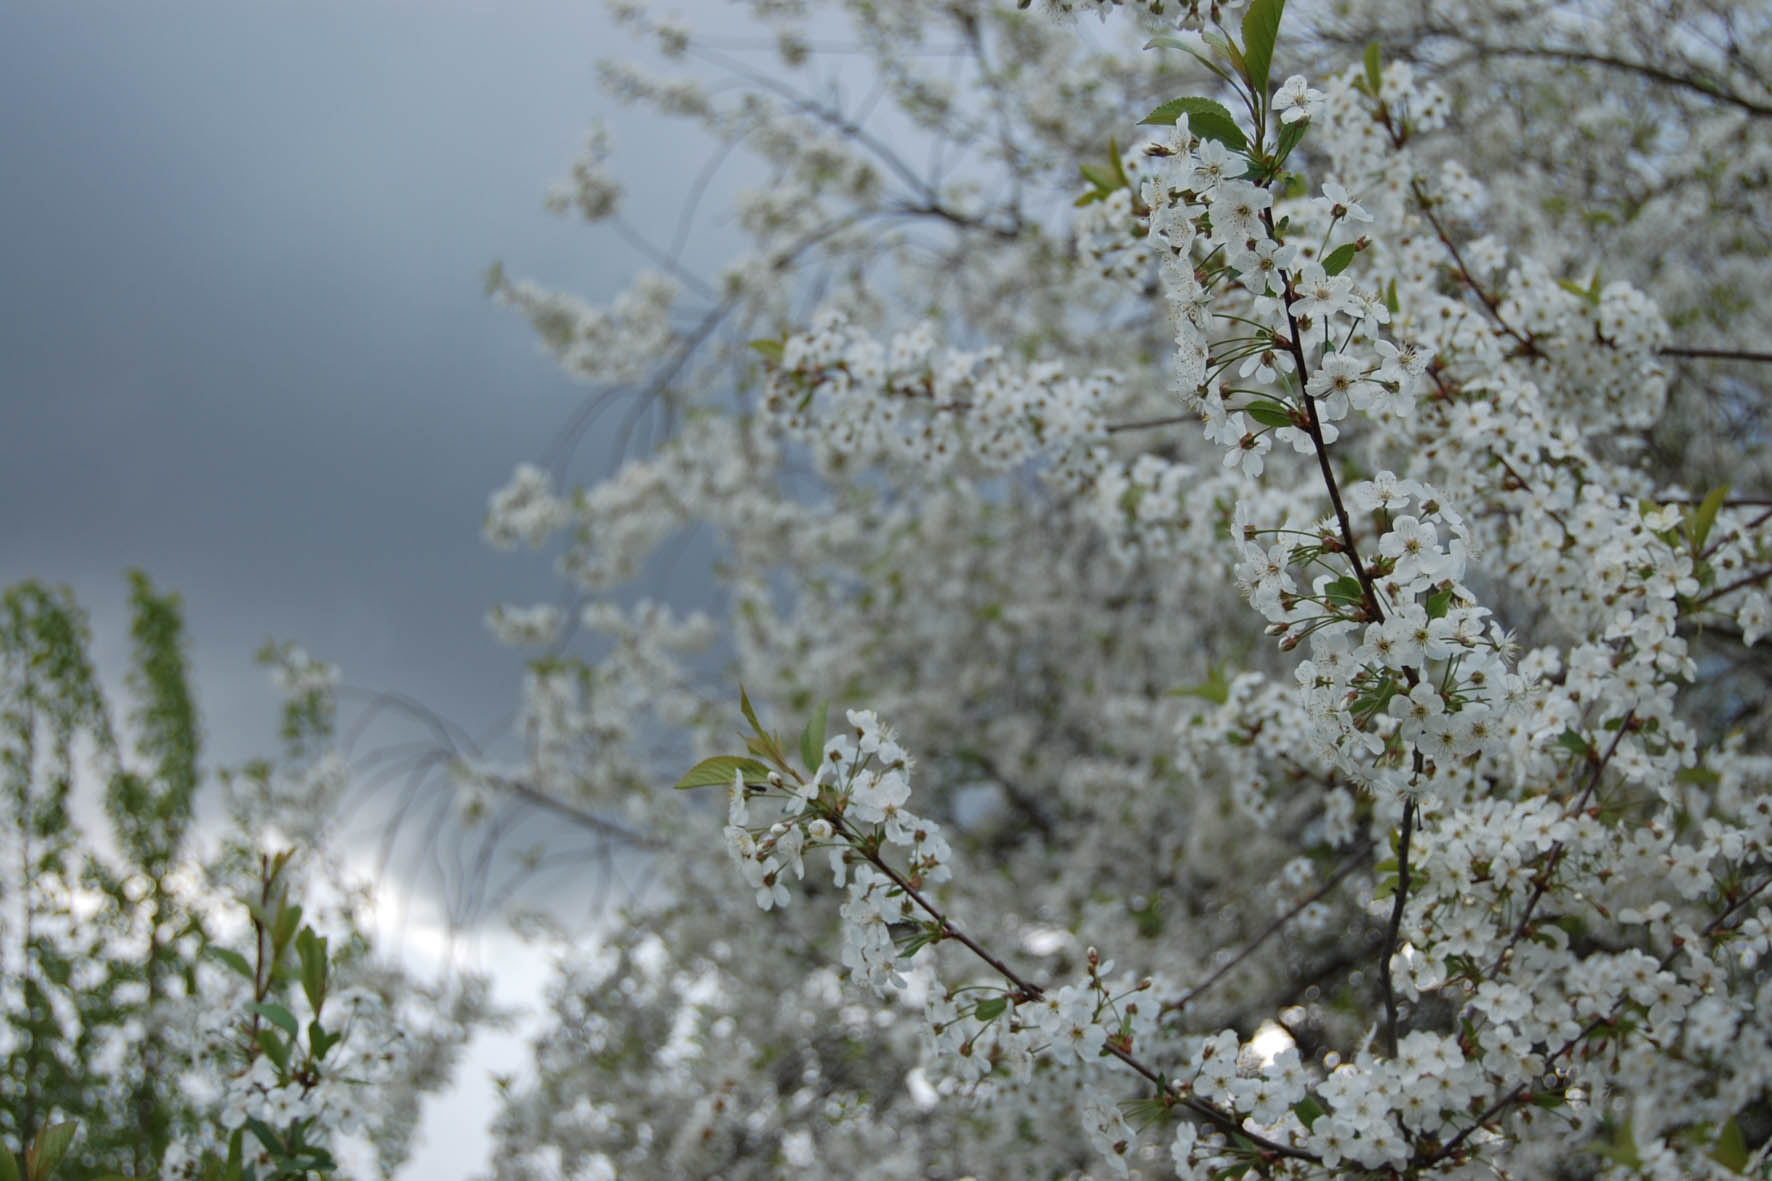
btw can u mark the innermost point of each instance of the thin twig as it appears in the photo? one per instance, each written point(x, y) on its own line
point(1673, 350)
point(1369, 594)
point(1395, 926)
point(1149, 423)
point(1024, 988)
point(1541, 883)
point(1272, 929)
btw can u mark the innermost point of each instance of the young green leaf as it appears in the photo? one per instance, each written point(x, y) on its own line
point(990, 1008)
point(1345, 592)
point(1124, 181)
point(275, 1049)
point(1227, 50)
point(1269, 413)
point(1337, 259)
point(1291, 134)
point(288, 922)
point(1216, 688)
point(1187, 48)
point(1261, 28)
point(1205, 118)
point(1573, 742)
point(750, 715)
point(1700, 521)
point(1731, 1149)
point(311, 949)
point(320, 1041)
point(1101, 178)
point(48, 1148)
point(1374, 72)
point(812, 737)
point(773, 349)
point(231, 958)
point(9, 1170)
point(719, 770)
point(277, 1015)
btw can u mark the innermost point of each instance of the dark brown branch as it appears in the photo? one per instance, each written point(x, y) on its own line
point(1716, 354)
point(1222, 1120)
point(1394, 927)
point(1656, 73)
point(1744, 580)
point(1150, 423)
point(1369, 594)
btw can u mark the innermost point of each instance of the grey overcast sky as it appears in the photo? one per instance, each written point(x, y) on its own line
point(242, 329)
point(243, 339)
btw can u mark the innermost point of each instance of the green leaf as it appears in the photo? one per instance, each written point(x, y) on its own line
point(1622, 1150)
point(766, 748)
point(48, 1148)
point(1216, 689)
point(1225, 49)
point(750, 715)
point(812, 737)
point(9, 1170)
point(1390, 299)
point(773, 349)
point(1290, 136)
point(1337, 259)
point(320, 1041)
point(288, 922)
point(1731, 1149)
point(1308, 1111)
point(1374, 72)
point(1438, 603)
point(274, 1049)
point(267, 1136)
point(1205, 118)
point(231, 958)
point(1187, 48)
point(1125, 182)
point(1571, 741)
point(279, 1016)
point(1269, 413)
point(1104, 181)
point(1345, 592)
point(719, 770)
point(311, 949)
point(1699, 522)
point(1579, 291)
point(1261, 28)
point(990, 1008)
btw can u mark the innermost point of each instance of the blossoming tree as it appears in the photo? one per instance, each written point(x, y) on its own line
point(166, 1010)
point(1277, 499)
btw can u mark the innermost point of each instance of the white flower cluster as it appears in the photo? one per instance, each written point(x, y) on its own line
point(524, 510)
point(1190, 14)
point(535, 625)
point(845, 395)
point(621, 342)
point(591, 188)
point(296, 674)
point(1515, 895)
